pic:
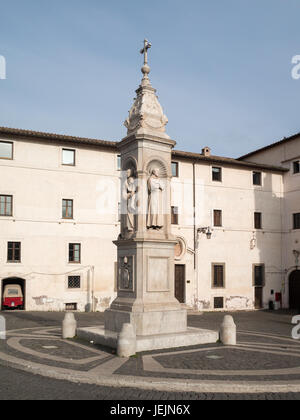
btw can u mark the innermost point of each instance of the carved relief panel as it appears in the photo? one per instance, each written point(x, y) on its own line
point(126, 274)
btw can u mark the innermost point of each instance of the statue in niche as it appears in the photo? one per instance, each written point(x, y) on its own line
point(129, 194)
point(155, 201)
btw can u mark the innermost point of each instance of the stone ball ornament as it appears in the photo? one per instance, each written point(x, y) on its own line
point(146, 69)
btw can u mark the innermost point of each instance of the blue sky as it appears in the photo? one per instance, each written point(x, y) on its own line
point(222, 68)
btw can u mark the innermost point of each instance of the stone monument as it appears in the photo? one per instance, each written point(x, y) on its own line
point(146, 246)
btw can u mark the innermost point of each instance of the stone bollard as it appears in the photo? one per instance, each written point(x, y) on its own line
point(126, 341)
point(69, 326)
point(228, 331)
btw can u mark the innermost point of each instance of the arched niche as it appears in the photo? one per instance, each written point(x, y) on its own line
point(130, 163)
point(157, 164)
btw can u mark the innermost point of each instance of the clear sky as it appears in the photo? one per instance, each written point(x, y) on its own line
point(222, 68)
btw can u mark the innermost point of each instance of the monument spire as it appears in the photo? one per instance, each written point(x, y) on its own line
point(146, 115)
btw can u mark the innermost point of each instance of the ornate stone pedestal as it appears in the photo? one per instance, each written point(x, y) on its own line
point(146, 289)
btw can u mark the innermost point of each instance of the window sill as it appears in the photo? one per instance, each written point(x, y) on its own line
point(13, 262)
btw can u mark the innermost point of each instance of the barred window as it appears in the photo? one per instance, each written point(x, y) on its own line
point(74, 282)
point(6, 202)
point(71, 306)
point(74, 253)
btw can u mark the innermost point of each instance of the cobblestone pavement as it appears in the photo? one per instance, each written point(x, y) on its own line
point(264, 365)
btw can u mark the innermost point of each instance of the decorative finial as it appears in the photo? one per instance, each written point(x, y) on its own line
point(146, 69)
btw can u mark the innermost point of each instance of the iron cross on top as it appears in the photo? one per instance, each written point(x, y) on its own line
point(144, 51)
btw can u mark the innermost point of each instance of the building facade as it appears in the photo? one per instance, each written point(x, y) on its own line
point(237, 222)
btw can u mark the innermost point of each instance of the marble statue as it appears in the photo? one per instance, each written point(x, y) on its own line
point(155, 201)
point(129, 194)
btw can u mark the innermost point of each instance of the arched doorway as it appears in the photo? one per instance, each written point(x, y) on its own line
point(294, 290)
point(14, 280)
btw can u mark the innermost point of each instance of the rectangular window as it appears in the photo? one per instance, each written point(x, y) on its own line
point(71, 306)
point(68, 157)
point(74, 282)
point(218, 272)
point(218, 218)
point(257, 178)
point(14, 252)
point(217, 174)
point(259, 275)
point(6, 203)
point(6, 150)
point(218, 303)
point(119, 164)
point(174, 215)
point(175, 169)
point(257, 220)
point(296, 167)
point(67, 209)
point(75, 253)
point(296, 224)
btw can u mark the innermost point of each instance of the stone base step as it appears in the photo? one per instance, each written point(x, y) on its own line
point(191, 337)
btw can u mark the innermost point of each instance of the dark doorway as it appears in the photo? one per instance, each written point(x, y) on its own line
point(14, 280)
point(259, 297)
point(180, 283)
point(294, 290)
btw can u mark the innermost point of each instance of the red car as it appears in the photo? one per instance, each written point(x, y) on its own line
point(13, 297)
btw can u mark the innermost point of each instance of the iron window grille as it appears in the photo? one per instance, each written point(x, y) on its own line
point(74, 282)
point(71, 306)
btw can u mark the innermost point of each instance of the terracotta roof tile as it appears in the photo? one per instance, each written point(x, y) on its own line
point(112, 144)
